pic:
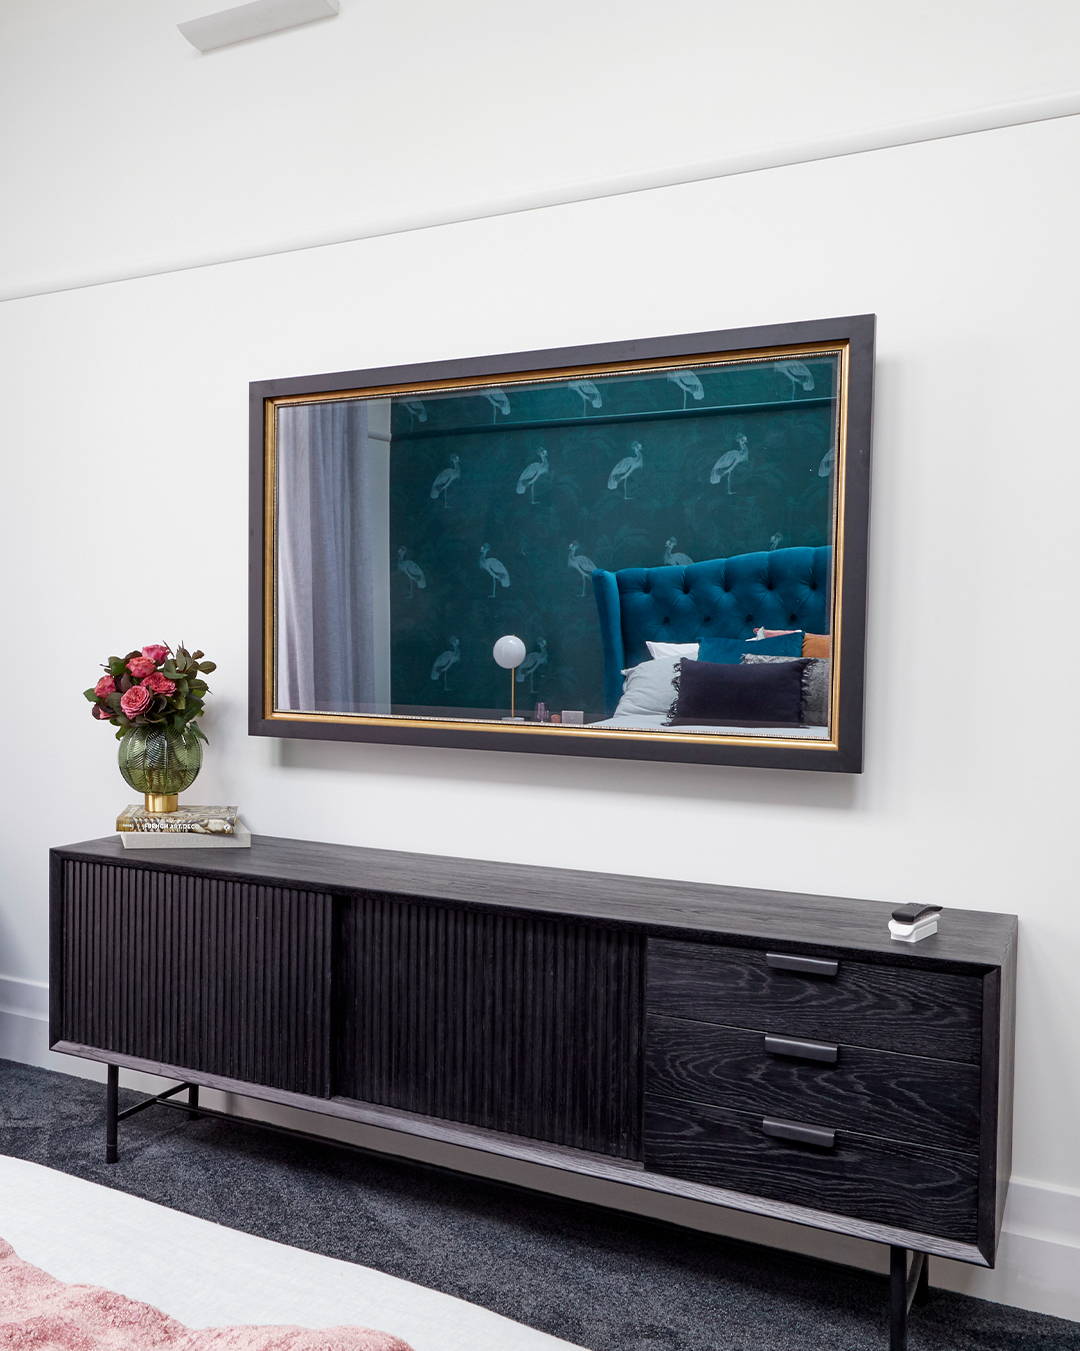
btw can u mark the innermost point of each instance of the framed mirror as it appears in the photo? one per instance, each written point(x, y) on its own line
point(647, 550)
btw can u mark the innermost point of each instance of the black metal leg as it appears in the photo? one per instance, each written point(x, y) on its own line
point(898, 1308)
point(907, 1286)
point(922, 1285)
point(193, 1100)
point(112, 1102)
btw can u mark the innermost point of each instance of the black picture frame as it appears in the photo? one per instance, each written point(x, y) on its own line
point(842, 753)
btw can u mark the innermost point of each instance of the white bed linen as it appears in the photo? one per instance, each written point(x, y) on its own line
point(209, 1276)
point(641, 722)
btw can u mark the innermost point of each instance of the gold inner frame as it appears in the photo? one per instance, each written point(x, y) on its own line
point(554, 375)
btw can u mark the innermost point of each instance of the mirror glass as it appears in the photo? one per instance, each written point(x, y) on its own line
point(588, 514)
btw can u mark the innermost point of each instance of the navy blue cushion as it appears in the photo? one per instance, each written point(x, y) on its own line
point(769, 694)
point(732, 650)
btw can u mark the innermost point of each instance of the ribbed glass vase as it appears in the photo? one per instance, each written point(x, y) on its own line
point(160, 762)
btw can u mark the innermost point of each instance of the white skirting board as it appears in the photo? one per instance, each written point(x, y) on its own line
point(1038, 1260)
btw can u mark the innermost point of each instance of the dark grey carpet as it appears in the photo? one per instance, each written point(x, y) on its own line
point(603, 1280)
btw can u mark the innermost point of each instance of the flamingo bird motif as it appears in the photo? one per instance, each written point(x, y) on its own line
point(441, 486)
point(626, 466)
point(494, 569)
point(825, 468)
point(500, 403)
point(588, 393)
point(532, 663)
point(799, 374)
point(690, 385)
point(730, 461)
point(582, 564)
point(445, 660)
point(531, 475)
point(776, 541)
point(416, 410)
point(673, 559)
point(413, 571)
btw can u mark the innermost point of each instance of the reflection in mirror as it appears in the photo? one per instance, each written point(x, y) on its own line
point(660, 539)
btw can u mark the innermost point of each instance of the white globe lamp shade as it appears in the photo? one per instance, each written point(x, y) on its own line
point(509, 652)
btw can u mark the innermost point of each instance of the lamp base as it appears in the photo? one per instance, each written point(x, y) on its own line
point(511, 719)
point(158, 804)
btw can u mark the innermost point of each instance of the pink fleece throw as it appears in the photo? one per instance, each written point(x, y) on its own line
point(40, 1313)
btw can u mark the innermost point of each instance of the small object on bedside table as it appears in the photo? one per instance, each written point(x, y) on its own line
point(509, 653)
point(573, 717)
point(912, 922)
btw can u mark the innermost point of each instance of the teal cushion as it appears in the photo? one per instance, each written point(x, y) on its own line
point(730, 651)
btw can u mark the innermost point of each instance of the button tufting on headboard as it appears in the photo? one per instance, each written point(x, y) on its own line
point(730, 597)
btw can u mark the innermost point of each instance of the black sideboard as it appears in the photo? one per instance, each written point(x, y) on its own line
point(764, 1051)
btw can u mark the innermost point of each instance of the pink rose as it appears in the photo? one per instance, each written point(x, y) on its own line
point(159, 684)
point(101, 711)
point(106, 685)
point(156, 652)
point(140, 667)
point(135, 701)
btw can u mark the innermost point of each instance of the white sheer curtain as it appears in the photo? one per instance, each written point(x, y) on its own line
point(333, 648)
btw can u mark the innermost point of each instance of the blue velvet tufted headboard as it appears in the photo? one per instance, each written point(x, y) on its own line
point(720, 598)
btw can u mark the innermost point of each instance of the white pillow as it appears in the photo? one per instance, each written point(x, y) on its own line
point(649, 688)
point(673, 650)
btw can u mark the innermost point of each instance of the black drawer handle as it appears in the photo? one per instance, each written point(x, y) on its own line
point(803, 1135)
point(809, 966)
point(802, 1050)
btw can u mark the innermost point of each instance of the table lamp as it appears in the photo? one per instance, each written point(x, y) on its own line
point(509, 653)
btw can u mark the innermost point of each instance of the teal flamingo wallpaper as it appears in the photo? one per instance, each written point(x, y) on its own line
point(503, 501)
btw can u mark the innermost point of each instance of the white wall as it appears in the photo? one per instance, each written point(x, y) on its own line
point(123, 520)
point(130, 152)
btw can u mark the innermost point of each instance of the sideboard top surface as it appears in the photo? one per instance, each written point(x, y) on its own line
point(739, 914)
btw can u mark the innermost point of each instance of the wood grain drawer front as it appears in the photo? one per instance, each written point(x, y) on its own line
point(928, 1013)
point(875, 1092)
point(885, 1182)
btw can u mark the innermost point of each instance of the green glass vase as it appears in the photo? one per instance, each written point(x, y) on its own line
point(160, 762)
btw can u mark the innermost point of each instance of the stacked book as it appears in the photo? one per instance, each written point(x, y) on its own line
point(188, 828)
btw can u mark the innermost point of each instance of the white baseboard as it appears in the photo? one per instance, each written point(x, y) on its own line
point(24, 1013)
point(1038, 1259)
point(28, 998)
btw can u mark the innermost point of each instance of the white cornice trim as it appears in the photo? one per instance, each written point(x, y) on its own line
point(1043, 109)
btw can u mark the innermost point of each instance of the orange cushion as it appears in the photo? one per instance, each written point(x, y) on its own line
point(817, 645)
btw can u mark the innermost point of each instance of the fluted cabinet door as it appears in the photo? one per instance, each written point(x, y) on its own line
point(225, 977)
point(514, 1022)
